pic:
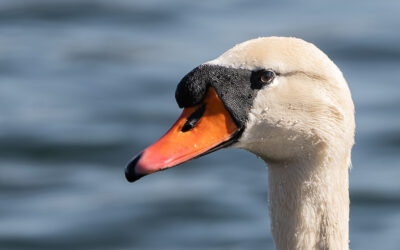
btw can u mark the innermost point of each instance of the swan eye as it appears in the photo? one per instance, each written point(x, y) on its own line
point(267, 76)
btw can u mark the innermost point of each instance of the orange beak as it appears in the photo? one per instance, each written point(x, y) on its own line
point(200, 129)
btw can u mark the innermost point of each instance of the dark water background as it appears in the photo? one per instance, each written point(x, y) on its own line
point(85, 85)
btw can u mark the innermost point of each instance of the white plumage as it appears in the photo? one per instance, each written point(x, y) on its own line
point(302, 125)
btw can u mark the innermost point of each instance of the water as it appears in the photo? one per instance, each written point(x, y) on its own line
point(85, 85)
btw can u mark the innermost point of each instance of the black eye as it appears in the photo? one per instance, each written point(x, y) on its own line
point(267, 76)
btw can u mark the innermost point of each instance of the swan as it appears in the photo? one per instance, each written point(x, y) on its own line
point(284, 100)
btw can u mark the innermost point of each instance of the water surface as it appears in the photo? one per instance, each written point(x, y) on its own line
point(85, 85)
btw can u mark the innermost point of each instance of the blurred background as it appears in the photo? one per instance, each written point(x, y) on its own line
point(85, 85)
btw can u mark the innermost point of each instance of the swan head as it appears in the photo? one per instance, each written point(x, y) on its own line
point(281, 98)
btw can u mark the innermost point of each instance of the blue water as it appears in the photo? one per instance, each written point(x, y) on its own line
point(85, 85)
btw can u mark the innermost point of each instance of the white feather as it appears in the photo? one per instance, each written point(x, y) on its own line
point(302, 125)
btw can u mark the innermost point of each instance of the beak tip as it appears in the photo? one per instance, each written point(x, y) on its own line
point(130, 173)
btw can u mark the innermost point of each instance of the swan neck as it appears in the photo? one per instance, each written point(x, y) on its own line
point(309, 204)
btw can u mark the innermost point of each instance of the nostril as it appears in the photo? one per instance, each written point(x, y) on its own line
point(194, 118)
point(130, 173)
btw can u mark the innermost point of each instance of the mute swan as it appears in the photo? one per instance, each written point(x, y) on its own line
point(284, 100)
